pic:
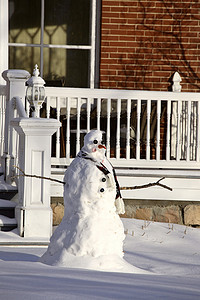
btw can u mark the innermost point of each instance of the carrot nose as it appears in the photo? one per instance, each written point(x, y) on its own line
point(101, 146)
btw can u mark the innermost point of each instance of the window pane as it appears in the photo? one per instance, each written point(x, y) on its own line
point(68, 23)
point(66, 67)
point(24, 58)
point(25, 22)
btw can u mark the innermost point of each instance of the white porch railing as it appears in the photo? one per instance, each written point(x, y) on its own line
point(142, 128)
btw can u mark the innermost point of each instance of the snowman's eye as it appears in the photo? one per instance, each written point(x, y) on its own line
point(95, 142)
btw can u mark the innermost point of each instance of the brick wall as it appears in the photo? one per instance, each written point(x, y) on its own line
point(144, 42)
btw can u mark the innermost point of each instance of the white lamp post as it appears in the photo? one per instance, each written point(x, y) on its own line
point(35, 92)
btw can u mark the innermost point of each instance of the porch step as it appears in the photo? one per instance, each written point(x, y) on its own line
point(7, 207)
point(8, 194)
point(7, 215)
point(7, 224)
point(7, 191)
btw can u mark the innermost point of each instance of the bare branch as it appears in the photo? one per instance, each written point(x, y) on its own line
point(157, 183)
point(36, 176)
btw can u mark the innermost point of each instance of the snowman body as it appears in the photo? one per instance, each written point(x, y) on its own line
point(91, 233)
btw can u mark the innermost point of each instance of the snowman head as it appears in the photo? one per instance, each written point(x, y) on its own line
point(93, 143)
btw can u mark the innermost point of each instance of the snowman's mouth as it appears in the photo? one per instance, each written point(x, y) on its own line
point(101, 147)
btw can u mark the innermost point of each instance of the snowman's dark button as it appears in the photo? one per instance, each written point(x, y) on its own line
point(103, 179)
point(102, 190)
point(95, 142)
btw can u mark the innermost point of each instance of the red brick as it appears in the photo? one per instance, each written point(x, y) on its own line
point(118, 32)
point(105, 72)
point(104, 78)
point(104, 67)
point(112, 26)
point(118, 43)
point(110, 3)
point(127, 38)
point(108, 61)
point(119, 9)
point(106, 20)
point(104, 55)
point(110, 15)
point(109, 49)
point(116, 55)
point(111, 37)
point(125, 2)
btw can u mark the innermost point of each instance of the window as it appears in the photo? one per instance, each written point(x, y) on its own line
point(58, 35)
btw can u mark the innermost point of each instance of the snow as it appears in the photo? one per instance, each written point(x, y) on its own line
point(167, 256)
point(90, 257)
point(6, 220)
point(5, 186)
point(13, 238)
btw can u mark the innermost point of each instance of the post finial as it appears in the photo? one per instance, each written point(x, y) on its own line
point(176, 79)
point(36, 71)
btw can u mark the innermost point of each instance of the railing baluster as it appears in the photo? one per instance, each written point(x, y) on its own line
point(68, 100)
point(158, 130)
point(148, 129)
point(118, 128)
point(27, 107)
point(198, 133)
point(189, 132)
point(58, 130)
point(47, 107)
point(138, 129)
point(78, 125)
point(194, 125)
point(183, 130)
point(168, 130)
point(2, 120)
point(108, 127)
point(88, 113)
point(195, 131)
point(128, 129)
point(98, 112)
point(178, 137)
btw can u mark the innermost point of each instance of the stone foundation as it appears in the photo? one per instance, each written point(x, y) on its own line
point(57, 207)
point(178, 212)
point(192, 215)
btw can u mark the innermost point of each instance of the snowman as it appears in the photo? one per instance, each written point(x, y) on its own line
point(91, 233)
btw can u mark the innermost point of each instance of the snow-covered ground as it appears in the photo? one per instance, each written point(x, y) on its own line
point(168, 258)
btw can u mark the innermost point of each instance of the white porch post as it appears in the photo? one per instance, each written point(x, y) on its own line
point(33, 212)
point(16, 87)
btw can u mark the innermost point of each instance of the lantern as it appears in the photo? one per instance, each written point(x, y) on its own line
point(35, 93)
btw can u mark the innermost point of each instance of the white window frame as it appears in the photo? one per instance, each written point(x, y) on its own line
point(5, 44)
